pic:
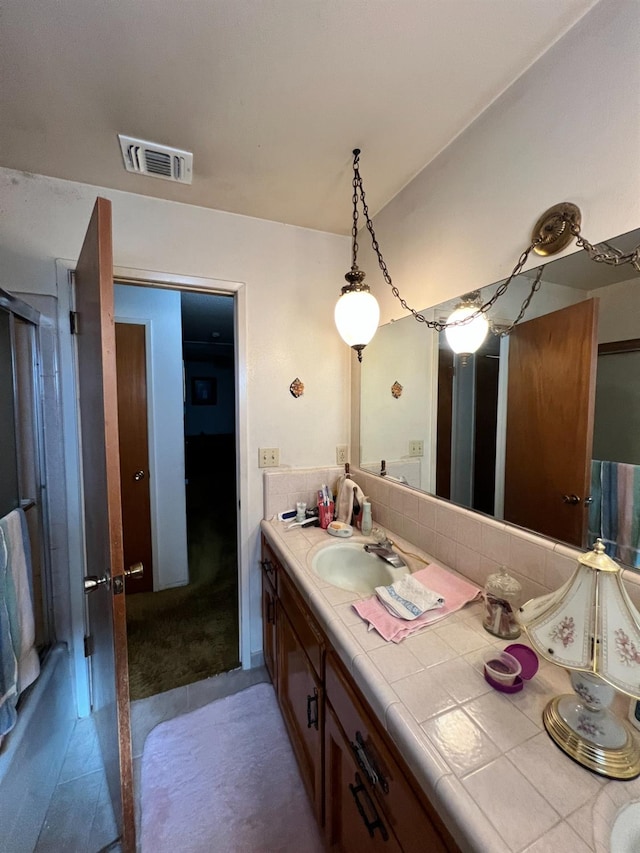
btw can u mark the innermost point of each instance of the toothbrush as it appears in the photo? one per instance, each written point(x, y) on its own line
point(314, 518)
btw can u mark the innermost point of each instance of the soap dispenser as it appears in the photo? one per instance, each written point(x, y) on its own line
point(366, 525)
point(502, 598)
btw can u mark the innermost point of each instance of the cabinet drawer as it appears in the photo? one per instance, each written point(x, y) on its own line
point(302, 621)
point(412, 819)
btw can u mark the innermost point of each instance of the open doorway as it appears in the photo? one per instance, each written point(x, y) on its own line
point(182, 626)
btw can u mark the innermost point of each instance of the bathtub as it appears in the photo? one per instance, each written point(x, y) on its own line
point(32, 753)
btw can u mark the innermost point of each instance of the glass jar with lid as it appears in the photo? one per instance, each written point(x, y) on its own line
point(502, 595)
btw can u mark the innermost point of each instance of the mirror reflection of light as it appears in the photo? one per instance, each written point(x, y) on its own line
point(467, 337)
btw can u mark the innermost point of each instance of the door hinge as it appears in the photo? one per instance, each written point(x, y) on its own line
point(73, 322)
point(88, 646)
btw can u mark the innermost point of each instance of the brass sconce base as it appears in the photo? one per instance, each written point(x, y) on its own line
point(554, 228)
point(614, 762)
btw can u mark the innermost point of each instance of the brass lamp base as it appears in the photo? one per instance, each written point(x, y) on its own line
point(621, 761)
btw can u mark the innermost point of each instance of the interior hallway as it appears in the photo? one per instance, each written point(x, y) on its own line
point(182, 635)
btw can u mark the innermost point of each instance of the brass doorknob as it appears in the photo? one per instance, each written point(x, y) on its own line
point(136, 570)
point(139, 475)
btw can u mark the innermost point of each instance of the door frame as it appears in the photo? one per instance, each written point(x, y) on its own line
point(150, 278)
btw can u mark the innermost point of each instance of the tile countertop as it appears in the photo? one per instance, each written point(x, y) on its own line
point(482, 757)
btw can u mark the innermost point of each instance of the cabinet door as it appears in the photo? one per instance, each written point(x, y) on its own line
point(353, 820)
point(301, 702)
point(409, 816)
point(269, 626)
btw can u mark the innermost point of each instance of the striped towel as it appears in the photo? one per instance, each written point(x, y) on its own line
point(19, 662)
point(614, 514)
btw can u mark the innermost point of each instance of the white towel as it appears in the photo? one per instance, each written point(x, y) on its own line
point(407, 598)
point(348, 493)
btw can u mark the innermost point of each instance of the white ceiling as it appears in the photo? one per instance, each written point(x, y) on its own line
point(269, 95)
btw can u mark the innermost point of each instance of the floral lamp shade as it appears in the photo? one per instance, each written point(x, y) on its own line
point(591, 627)
point(589, 624)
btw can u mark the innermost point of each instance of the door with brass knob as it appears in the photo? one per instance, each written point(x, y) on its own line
point(134, 454)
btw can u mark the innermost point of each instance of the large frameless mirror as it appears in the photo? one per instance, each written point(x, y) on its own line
point(540, 428)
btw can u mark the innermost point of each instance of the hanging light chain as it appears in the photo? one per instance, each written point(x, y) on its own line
point(614, 258)
point(440, 325)
point(354, 226)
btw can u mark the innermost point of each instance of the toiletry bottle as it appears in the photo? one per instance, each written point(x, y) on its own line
point(367, 522)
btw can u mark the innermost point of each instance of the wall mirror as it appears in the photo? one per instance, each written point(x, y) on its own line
point(496, 434)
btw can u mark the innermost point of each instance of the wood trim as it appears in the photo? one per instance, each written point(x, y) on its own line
point(614, 347)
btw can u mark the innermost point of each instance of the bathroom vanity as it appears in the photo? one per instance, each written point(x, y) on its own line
point(362, 790)
point(405, 746)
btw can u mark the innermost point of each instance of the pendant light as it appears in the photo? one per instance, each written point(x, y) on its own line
point(357, 312)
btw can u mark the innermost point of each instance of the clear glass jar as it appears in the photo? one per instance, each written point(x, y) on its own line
point(502, 595)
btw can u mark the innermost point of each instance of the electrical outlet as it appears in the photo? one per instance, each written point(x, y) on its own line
point(341, 454)
point(268, 457)
point(416, 448)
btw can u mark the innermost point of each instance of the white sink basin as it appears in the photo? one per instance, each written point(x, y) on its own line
point(348, 566)
point(625, 834)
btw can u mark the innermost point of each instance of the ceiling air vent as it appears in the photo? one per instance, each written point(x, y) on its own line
point(157, 161)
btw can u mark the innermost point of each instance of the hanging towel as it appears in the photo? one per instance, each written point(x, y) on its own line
point(349, 495)
point(8, 660)
point(614, 515)
point(455, 590)
point(18, 608)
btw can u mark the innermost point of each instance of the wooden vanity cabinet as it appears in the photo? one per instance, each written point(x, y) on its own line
point(358, 783)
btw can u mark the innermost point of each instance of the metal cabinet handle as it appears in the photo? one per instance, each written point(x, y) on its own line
point(268, 566)
point(368, 765)
point(139, 475)
point(312, 719)
point(371, 825)
point(571, 499)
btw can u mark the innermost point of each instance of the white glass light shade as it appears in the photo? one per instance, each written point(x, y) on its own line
point(467, 337)
point(589, 624)
point(357, 315)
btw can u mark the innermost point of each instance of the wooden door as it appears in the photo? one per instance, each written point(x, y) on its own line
point(98, 405)
point(550, 405)
point(131, 363)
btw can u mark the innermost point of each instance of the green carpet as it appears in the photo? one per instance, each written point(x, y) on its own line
point(181, 635)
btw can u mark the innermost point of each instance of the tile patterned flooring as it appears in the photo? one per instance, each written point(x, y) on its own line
point(79, 818)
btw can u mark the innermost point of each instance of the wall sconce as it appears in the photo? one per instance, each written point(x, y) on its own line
point(590, 627)
point(357, 313)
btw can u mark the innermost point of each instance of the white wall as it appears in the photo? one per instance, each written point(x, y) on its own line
point(159, 311)
point(292, 280)
point(567, 130)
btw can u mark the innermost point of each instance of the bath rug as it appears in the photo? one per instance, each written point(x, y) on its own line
point(224, 778)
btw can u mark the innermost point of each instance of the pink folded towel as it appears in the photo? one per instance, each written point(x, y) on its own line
point(456, 593)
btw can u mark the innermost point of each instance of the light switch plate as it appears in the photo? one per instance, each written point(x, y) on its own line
point(268, 457)
point(416, 448)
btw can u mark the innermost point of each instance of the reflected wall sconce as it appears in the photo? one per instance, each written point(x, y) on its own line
point(357, 312)
point(590, 627)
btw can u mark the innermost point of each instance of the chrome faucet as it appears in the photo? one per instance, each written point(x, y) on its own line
point(386, 553)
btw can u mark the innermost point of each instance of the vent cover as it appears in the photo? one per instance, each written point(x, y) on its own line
point(157, 161)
